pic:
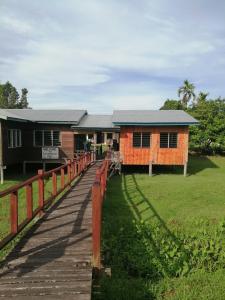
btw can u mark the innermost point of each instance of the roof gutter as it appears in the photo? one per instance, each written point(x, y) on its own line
point(156, 123)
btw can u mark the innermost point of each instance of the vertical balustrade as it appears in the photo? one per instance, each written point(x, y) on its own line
point(96, 224)
point(29, 199)
point(54, 183)
point(62, 178)
point(14, 212)
point(69, 170)
point(41, 192)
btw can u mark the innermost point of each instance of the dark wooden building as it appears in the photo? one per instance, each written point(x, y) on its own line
point(50, 136)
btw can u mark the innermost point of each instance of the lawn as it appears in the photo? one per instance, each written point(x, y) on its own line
point(164, 236)
point(14, 177)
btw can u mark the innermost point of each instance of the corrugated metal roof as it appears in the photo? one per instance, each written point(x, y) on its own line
point(45, 116)
point(96, 121)
point(157, 117)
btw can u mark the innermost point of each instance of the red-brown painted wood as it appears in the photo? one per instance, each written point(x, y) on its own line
point(62, 178)
point(154, 154)
point(54, 183)
point(29, 198)
point(41, 195)
point(14, 211)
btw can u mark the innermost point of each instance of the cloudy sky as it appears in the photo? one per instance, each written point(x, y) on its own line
point(104, 55)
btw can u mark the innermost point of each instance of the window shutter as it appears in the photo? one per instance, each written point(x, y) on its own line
point(137, 139)
point(146, 139)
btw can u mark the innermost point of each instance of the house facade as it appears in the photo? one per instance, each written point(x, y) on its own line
point(47, 136)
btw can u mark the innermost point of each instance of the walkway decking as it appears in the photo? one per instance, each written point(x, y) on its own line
point(53, 260)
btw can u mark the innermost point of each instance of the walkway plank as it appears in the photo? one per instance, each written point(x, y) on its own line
point(53, 260)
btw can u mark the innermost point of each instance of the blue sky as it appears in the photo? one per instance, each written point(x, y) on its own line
point(105, 55)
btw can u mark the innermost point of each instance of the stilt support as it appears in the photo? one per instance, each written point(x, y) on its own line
point(150, 168)
point(185, 169)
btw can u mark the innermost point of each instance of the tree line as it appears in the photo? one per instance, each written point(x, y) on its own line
point(209, 136)
point(10, 98)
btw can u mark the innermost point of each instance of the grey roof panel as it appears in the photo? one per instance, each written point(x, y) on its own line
point(152, 117)
point(36, 115)
point(96, 121)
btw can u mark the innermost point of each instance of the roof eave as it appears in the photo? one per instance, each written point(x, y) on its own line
point(155, 123)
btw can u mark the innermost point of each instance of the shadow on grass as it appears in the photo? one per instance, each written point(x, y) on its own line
point(196, 164)
point(133, 265)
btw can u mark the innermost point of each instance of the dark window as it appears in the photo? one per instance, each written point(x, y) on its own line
point(14, 138)
point(141, 139)
point(109, 135)
point(164, 139)
point(47, 138)
point(173, 140)
point(145, 139)
point(136, 139)
point(168, 140)
point(56, 138)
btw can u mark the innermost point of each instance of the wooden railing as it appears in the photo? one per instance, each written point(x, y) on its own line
point(98, 192)
point(66, 175)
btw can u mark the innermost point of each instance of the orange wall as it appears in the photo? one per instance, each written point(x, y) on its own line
point(161, 156)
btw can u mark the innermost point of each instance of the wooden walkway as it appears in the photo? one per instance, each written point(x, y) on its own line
point(53, 260)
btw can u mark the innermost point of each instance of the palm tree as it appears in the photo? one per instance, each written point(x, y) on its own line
point(187, 92)
point(202, 97)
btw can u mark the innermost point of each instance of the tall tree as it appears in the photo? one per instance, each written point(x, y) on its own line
point(186, 93)
point(10, 98)
point(23, 103)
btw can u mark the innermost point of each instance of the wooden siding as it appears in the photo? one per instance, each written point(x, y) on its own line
point(154, 154)
point(28, 152)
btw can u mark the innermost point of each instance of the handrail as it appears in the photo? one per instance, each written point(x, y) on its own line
point(73, 169)
point(98, 192)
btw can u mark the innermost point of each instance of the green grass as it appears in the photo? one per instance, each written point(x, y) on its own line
point(178, 213)
point(12, 179)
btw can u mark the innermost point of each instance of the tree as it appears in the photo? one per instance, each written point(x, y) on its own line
point(172, 104)
point(10, 98)
point(186, 92)
point(23, 103)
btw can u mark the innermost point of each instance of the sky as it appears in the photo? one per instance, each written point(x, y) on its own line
point(112, 54)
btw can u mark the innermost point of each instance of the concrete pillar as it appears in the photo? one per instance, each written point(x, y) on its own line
point(185, 169)
point(150, 168)
point(2, 174)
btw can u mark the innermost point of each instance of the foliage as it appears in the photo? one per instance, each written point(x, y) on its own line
point(209, 136)
point(187, 92)
point(164, 237)
point(172, 104)
point(10, 98)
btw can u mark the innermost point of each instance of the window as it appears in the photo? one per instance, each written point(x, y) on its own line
point(141, 139)
point(14, 138)
point(46, 138)
point(168, 140)
point(109, 135)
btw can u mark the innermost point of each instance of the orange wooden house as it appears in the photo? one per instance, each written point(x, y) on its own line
point(154, 137)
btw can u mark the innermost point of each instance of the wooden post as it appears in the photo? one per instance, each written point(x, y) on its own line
point(62, 179)
point(2, 174)
point(96, 225)
point(54, 183)
point(69, 171)
point(185, 169)
point(41, 191)
point(150, 168)
point(29, 198)
point(14, 211)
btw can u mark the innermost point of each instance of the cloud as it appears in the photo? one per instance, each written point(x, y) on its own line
point(111, 54)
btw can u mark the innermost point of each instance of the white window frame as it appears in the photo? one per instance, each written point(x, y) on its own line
point(42, 137)
point(13, 134)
